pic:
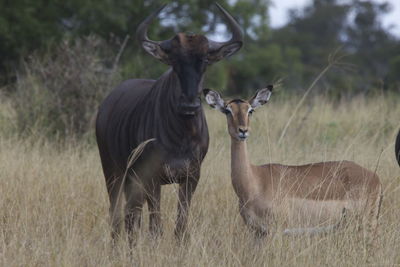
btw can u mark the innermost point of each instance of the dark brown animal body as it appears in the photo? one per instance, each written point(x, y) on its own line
point(167, 110)
point(397, 148)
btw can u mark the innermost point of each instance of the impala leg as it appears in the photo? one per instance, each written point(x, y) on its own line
point(371, 221)
point(318, 230)
point(135, 196)
point(153, 202)
point(257, 226)
point(186, 190)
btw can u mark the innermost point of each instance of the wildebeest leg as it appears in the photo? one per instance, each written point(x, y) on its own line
point(186, 190)
point(135, 197)
point(153, 202)
point(115, 195)
point(113, 182)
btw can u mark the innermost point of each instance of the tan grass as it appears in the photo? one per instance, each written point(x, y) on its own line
point(54, 205)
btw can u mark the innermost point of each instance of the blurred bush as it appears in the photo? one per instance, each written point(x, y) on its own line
point(57, 94)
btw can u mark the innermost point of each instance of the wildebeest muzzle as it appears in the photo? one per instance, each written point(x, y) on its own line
point(189, 108)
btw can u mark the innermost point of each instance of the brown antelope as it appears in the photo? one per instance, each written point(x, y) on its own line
point(321, 191)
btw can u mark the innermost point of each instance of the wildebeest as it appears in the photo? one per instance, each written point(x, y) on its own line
point(397, 148)
point(167, 109)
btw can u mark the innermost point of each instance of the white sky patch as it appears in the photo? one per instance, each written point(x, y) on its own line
point(279, 13)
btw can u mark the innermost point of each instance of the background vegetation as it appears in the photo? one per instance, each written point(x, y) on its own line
point(54, 205)
point(58, 60)
point(294, 52)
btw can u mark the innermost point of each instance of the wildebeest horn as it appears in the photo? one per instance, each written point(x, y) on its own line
point(237, 35)
point(141, 32)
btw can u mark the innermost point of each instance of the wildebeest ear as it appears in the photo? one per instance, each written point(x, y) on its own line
point(223, 52)
point(261, 97)
point(156, 51)
point(214, 99)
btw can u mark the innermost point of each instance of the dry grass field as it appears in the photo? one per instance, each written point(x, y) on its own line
point(54, 206)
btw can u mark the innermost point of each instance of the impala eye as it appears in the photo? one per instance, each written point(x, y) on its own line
point(251, 111)
point(227, 110)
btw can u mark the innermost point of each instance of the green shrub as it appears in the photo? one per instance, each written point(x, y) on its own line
point(57, 94)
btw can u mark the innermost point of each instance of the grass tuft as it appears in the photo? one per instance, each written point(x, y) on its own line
point(54, 205)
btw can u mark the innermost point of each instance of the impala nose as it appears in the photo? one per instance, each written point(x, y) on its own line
point(243, 133)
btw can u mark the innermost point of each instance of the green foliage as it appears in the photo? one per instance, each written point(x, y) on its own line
point(58, 95)
point(321, 28)
point(24, 27)
point(295, 53)
point(394, 70)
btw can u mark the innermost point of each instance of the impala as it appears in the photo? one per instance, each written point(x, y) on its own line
point(320, 191)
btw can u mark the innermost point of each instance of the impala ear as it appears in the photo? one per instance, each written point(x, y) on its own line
point(214, 99)
point(261, 97)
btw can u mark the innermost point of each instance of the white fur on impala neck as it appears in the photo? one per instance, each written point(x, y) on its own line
point(324, 190)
